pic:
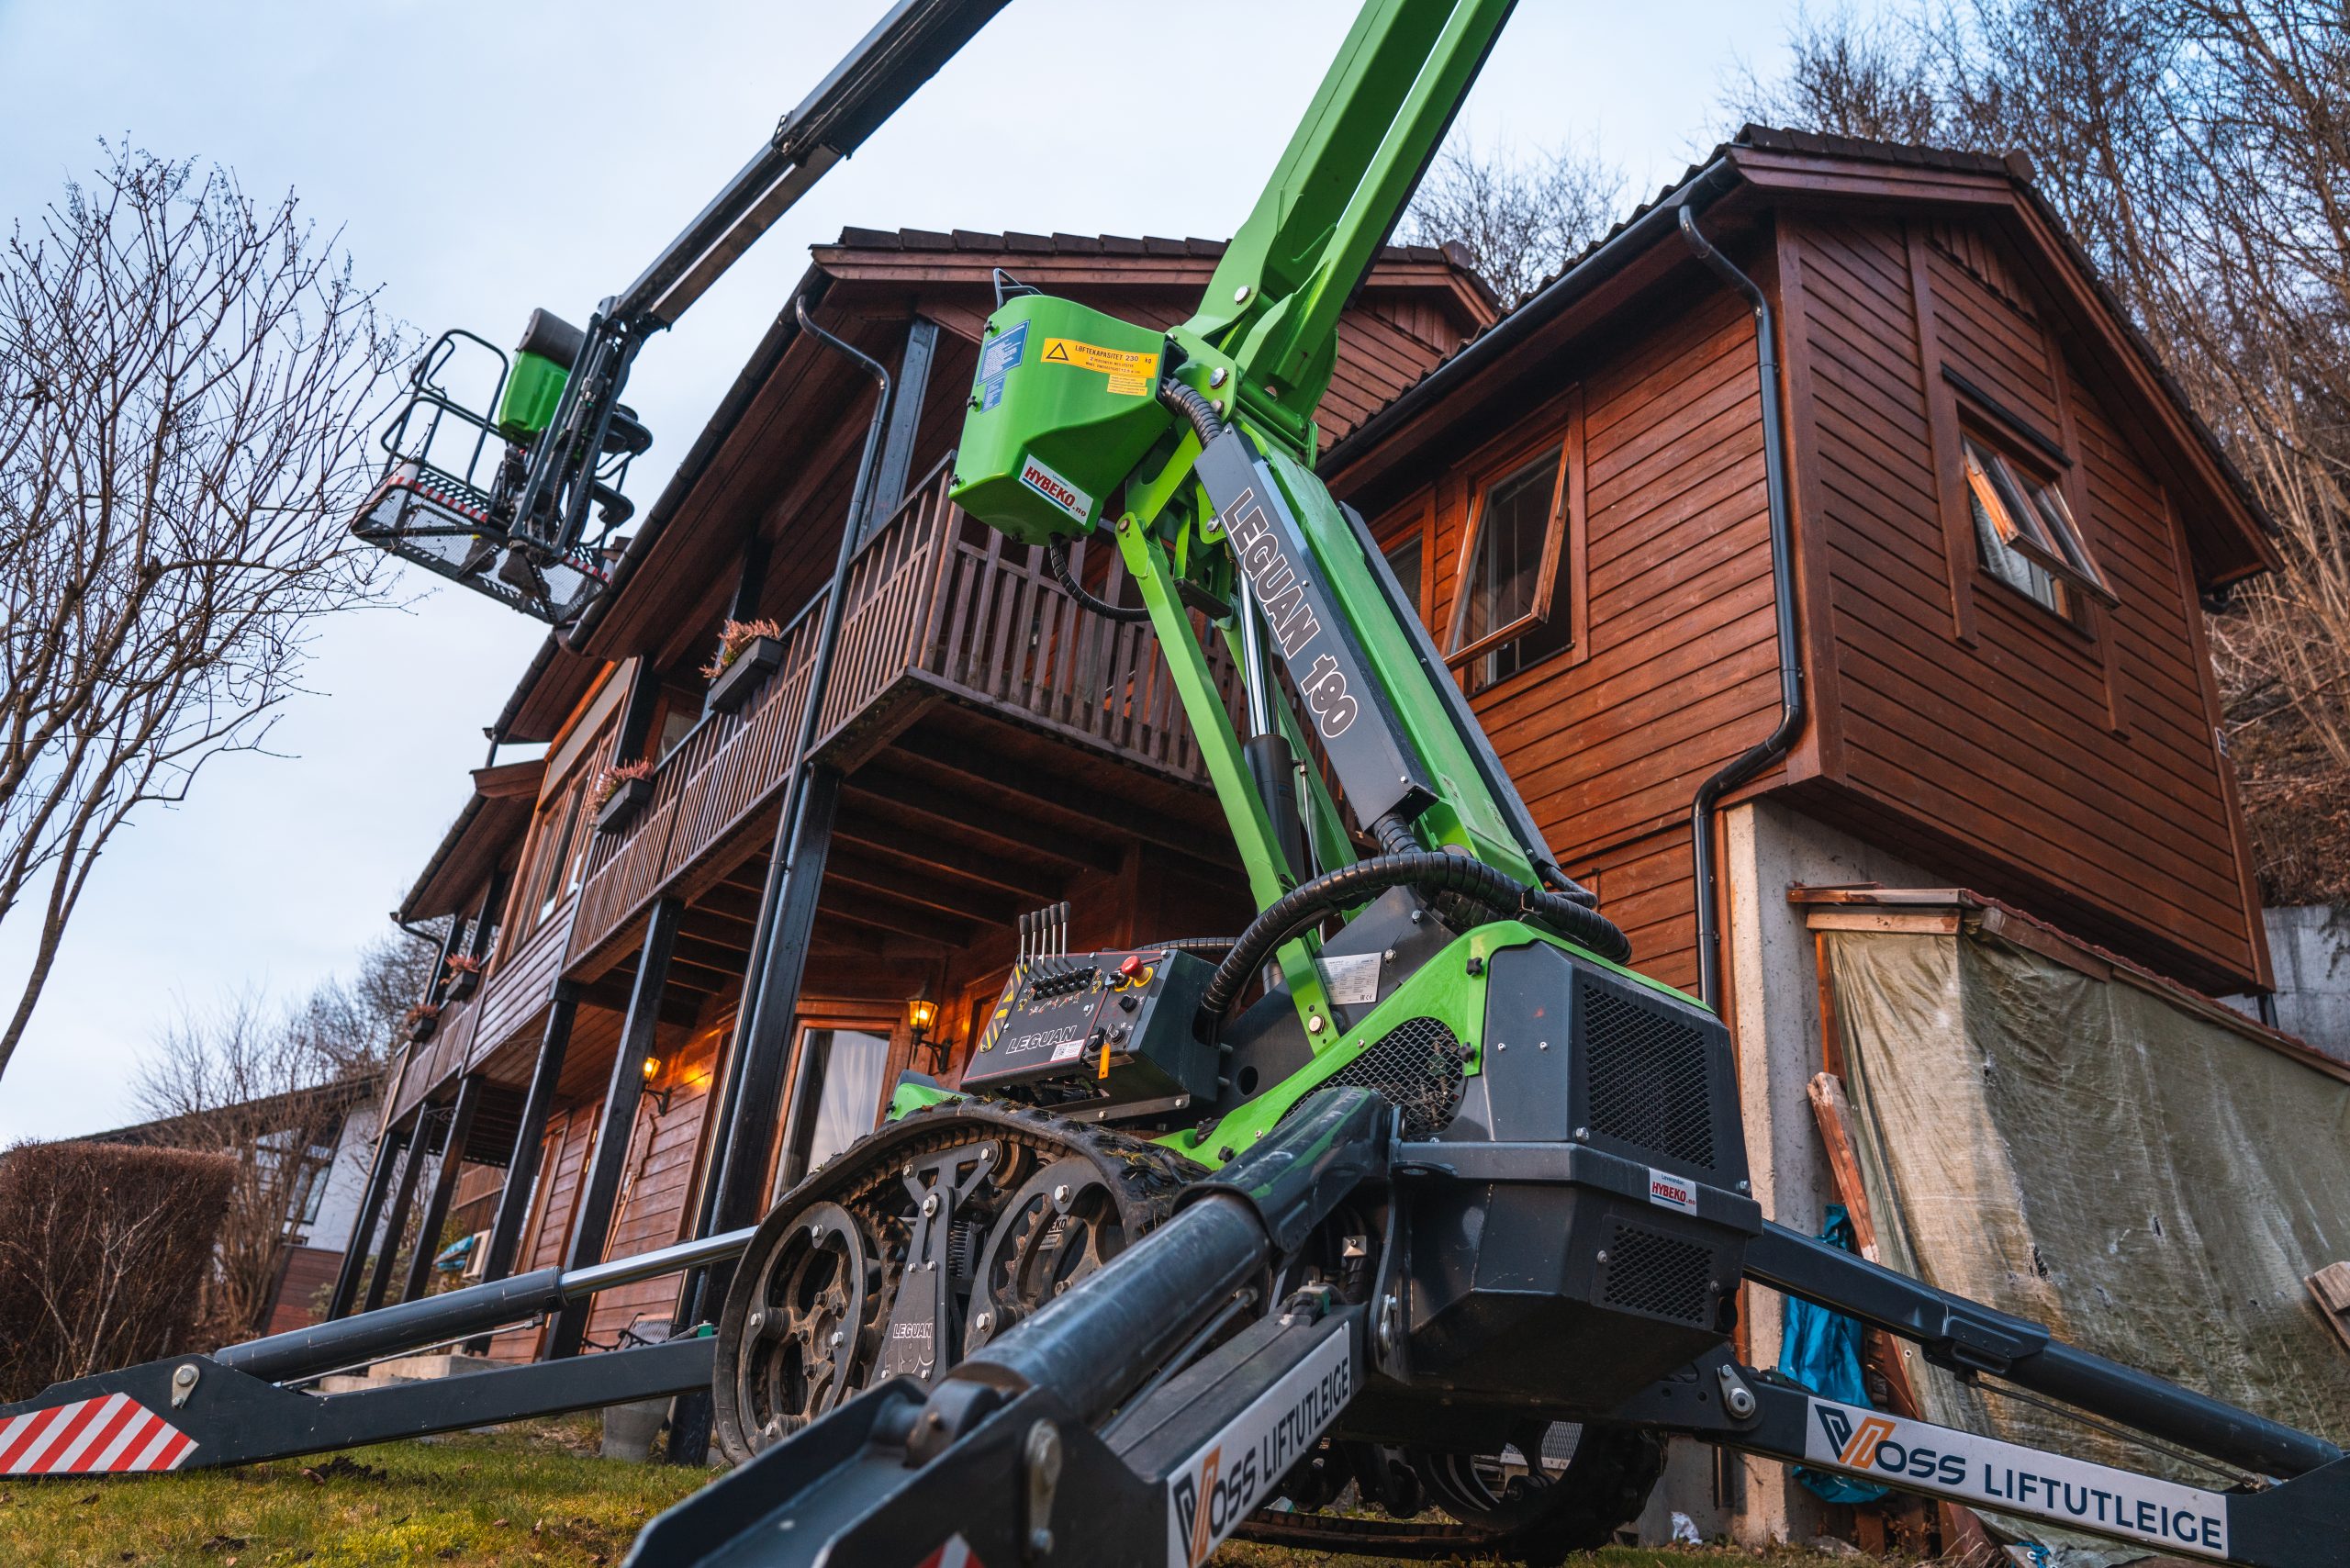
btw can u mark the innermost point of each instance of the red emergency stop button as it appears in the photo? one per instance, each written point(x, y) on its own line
point(1133, 962)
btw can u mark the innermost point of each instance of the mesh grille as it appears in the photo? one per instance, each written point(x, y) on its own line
point(1414, 1067)
point(1648, 1078)
point(1660, 1275)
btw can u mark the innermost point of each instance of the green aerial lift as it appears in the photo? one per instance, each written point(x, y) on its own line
point(1452, 1215)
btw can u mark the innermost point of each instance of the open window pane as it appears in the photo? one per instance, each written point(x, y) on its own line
point(1510, 609)
point(2026, 531)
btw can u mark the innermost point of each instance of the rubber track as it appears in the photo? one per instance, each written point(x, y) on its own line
point(1145, 1176)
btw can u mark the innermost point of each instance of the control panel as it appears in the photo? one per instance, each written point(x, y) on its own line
point(1114, 1026)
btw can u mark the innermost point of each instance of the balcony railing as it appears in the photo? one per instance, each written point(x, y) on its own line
point(937, 600)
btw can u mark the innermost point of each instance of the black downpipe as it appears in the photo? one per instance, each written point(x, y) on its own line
point(1773, 746)
point(788, 849)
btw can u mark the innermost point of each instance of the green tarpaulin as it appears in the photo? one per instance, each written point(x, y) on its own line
point(2151, 1184)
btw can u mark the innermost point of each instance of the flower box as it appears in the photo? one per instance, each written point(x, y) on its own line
point(758, 659)
point(626, 798)
point(463, 983)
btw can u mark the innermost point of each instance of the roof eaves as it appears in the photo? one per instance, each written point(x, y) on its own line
point(739, 397)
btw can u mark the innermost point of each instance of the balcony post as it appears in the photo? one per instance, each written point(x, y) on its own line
point(599, 1189)
point(363, 1229)
point(538, 1103)
point(444, 1184)
point(905, 422)
point(419, 1137)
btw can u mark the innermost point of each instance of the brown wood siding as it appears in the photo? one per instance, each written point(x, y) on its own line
point(308, 1271)
point(1674, 671)
point(2074, 766)
point(657, 1183)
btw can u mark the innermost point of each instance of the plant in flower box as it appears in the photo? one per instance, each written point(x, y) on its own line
point(465, 976)
point(621, 792)
point(747, 652)
point(422, 1019)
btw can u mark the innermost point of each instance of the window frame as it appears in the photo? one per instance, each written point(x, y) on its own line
point(1563, 543)
point(1413, 522)
point(2029, 511)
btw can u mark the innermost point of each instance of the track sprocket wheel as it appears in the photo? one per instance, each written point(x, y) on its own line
point(1062, 1198)
point(810, 1322)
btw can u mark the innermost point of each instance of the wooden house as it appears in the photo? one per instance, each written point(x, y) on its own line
point(2002, 521)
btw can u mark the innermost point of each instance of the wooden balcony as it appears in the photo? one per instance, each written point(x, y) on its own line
point(940, 609)
point(518, 984)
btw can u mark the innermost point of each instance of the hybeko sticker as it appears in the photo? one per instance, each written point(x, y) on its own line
point(1056, 489)
point(1668, 1191)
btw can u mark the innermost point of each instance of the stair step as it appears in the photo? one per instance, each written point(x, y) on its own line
point(345, 1383)
point(419, 1369)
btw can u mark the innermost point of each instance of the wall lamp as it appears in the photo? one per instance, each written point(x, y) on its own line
point(921, 1017)
point(660, 1097)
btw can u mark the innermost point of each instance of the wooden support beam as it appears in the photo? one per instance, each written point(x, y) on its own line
point(931, 809)
point(444, 1184)
point(538, 1102)
point(599, 1187)
point(1068, 808)
point(924, 888)
point(880, 914)
point(1030, 886)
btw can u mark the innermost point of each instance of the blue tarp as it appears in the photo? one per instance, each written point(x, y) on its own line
point(1822, 1350)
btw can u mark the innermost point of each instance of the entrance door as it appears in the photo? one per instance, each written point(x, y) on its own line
point(844, 1071)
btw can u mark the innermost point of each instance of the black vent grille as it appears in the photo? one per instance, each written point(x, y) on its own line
point(1660, 1275)
point(1648, 1078)
point(1414, 1067)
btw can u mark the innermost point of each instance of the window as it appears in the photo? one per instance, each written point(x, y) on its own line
point(1511, 613)
point(2024, 531)
point(1404, 559)
point(848, 1067)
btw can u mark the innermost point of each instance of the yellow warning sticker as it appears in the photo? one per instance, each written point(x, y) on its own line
point(1130, 373)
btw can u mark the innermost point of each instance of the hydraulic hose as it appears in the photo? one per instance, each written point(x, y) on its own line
point(1206, 421)
point(1057, 557)
point(1432, 872)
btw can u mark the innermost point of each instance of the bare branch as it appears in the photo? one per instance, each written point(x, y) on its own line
point(186, 381)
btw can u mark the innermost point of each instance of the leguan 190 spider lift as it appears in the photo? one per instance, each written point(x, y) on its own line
point(1452, 1215)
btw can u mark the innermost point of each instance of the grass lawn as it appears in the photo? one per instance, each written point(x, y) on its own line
point(528, 1494)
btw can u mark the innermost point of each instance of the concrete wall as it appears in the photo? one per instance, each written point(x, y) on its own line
point(2311, 949)
point(1774, 1006)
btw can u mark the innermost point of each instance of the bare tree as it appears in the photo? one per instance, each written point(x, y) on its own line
point(271, 1090)
point(1851, 76)
point(1519, 219)
point(186, 380)
point(2199, 152)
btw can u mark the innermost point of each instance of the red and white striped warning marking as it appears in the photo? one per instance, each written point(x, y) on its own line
point(92, 1437)
point(956, 1553)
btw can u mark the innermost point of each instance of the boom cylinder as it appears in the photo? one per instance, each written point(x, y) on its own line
point(432, 1320)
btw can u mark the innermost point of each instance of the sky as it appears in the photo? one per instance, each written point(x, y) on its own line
point(481, 159)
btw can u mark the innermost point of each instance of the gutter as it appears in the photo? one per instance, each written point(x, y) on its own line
point(1596, 267)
